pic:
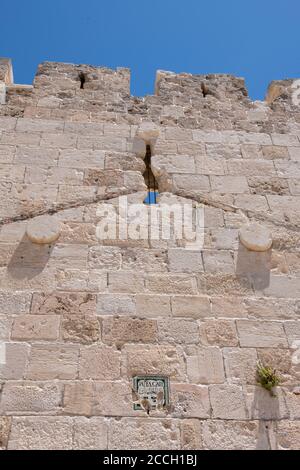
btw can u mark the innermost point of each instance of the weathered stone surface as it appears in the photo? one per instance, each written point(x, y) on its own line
point(122, 330)
point(61, 303)
point(49, 362)
point(190, 401)
point(288, 435)
point(255, 237)
point(240, 365)
point(230, 435)
point(15, 361)
point(191, 306)
point(191, 434)
point(41, 433)
point(99, 362)
point(261, 334)
point(178, 331)
point(84, 329)
point(90, 434)
point(218, 333)
point(37, 327)
point(228, 402)
point(206, 366)
point(78, 398)
point(44, 229)
point(154, 360)
point(30, 398)
point(144, 434)
point(5, 423)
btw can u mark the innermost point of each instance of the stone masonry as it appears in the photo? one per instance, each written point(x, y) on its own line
point(80, 318)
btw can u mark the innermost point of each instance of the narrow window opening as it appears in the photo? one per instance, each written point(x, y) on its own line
point(81, 77)
point(150, 179)
point(204, 90)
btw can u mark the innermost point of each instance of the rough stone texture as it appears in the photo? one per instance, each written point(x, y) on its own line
point(80, 316)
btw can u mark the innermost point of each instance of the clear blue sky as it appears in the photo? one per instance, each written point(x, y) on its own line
point(256, 39)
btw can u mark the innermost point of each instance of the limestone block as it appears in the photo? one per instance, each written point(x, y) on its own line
point(114, 399)
point(292, 330)
point(102, 257)
point(99, 362)
point(125, 282)
point(273, 309)
point(84, 329)
point(154, 360)
point(285, 139)
point(240, 365)
point(246, 167)
point(23, 138)
point(2, 93)
point(53, 361)
point(61, 303)
point(30, 397)
point(266, 185)
point(81, 159)
point(273, 152)
point(161, 164)
point(115, 304)
point(261, 334)
point(218, 333)
point(144, 434)
point(206, 366)
point(41, 433)
point(5, 424)
point(178, 331)
point(144, 260)
point(185, 261)
point(16, 360)
point(288, 435)
point(145, 305)
point(78, 398)
point(36, 327)
point(283, 286)
point(229, 184)
point(60, 141)
point(226, 137)
point(191, 306)
point(255, 237)
point(5, 327)
point(191, 434)
point(39, 125)
point(255, 138)
point(147, 131)
point(261, 405)
point(44, 229)
point(190, 401)
point(7, 153)
point(228, 307)
point(220, 261)
point(90, 433)
point(294, 153)
point(117, 331)
point(191, 184)
point(228, 402)
point(172, 284)
point(230, 435)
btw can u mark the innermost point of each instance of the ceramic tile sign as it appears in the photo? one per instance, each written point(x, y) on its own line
point(151, 392)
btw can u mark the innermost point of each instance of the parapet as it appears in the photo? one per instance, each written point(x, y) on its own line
point(89, 93)
point(221, 86)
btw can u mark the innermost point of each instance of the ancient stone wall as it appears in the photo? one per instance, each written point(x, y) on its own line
point(80, 316)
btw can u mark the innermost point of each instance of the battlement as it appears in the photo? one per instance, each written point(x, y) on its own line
point(89, 93)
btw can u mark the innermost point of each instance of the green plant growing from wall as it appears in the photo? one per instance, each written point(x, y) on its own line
point(267, 377)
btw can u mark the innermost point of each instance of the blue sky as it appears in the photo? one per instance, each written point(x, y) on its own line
point(255, 39)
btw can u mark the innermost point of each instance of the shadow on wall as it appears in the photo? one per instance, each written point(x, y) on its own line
point(255, 266)
point(29, 259)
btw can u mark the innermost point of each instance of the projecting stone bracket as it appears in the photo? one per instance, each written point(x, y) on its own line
point(44, 229)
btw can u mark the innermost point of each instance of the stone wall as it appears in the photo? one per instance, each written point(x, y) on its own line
point(80, 318)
